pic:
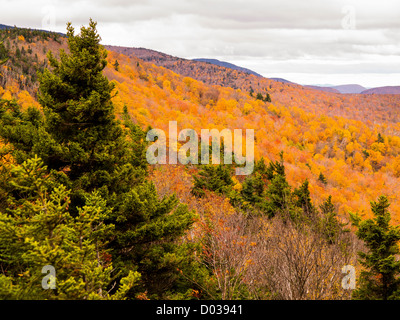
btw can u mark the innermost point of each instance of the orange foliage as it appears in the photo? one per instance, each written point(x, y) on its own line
point(344, 145)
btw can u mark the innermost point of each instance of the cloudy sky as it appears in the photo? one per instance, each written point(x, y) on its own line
point(309, 42)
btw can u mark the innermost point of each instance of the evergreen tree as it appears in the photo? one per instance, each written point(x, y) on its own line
point(275, 168)
point(39, 231)
point(379, 280)
point(279, 196)
point(322, 178)
point(18, 53)
point(85, 137)
point(259, 96)
point(91, 154)
point(380, 139)
point(329, 224)
point(303, 199)
point(267, 98)
point(3, 54)
point(216, 178)
point(278, 192)
point(116, 65)
point(253, 189)
point(260, 167)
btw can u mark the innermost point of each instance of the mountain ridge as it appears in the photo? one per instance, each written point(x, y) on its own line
point(227, 65)
point(383, 90)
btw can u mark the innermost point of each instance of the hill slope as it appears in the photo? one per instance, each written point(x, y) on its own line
point(312, 142)
point(326, 89)
point(383, 90)
point(228, 65)
point(318, 131)
point(349, 88)
point(382, 109)
point(330, 142)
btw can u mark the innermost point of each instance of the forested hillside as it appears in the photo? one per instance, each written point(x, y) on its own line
point(77, 193)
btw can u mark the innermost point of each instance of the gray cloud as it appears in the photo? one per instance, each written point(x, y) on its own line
point(287, 36)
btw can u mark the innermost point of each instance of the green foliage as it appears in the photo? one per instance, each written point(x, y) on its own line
point(20, 60)
point(275, 168)
point(259, 96)
point(38, 230)
point(216, 178)
point(253, 189)
point(330, 226)
point(278, 196)
point(303, 199)
point(379, 279)
point(380, 139)
point(116, 65)
point(79, 198)
point(3, 54)
point(322, 179)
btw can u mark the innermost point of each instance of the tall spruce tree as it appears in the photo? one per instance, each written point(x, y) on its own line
point(88, 151)
point(278, 193)
point(86, 140)
point(3, 54)
point(329, 224)
point(215, 178)
point(379, 279)
point(303, 199)
point(38, 231)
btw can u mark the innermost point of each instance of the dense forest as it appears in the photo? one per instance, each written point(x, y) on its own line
point(78, 196)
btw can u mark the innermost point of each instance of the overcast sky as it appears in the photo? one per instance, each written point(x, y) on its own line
point(305, 41)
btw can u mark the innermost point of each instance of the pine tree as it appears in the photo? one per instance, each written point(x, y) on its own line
point(39, 231)
point(330, 226)
point(275, 168)
point(322, 178)
point(253, 189)
point(279, 197)
point(91, 154)
point(216, 178)
point(3, 54)
point(116, 65)
point(260, 167)
point(379, 280)
point(251, 92)
point(76, 98)
point(380, 139)
point(259, 96)
point(303, 199)
point(278, 192)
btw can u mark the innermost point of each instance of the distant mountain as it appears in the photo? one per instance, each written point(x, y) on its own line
point(228, 65)
point(206, 72)
point(281, 80)
point(345, 88)
point(4, 26)
point(326, 89)
point(383, 90)
point(349, 88)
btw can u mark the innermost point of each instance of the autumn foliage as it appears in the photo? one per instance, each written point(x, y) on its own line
point(345, 148)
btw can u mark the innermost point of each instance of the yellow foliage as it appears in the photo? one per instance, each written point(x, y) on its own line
point(358, 159)
point(7, 95)
point(247, 108)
